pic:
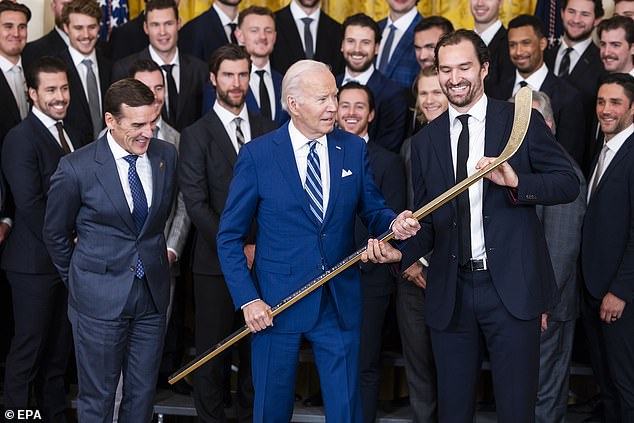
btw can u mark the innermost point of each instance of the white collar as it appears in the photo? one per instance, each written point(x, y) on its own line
point(226, 117)
point(46, 120)
point(6, 65)
point(362, 78)
point(404, 21)
point(79, 57)
point(298, 13)
point(266, 68)
point(155, 56)
point(366, 137)
point(478, 111)
point(617, 141)
point(536, 79)
point(580, 47)
point(488, 34)
point(224, 19)
point(117, 151)
point(631, 72)
point(299, 140)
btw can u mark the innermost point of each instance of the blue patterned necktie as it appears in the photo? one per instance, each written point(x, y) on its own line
point(139, 204)
point(313, 184)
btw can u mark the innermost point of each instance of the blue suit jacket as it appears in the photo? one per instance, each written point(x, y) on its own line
point(201, 36)
point(86, 200)
point(292, 248)
point(516, 249)
point(403, 66)
point(281, 117)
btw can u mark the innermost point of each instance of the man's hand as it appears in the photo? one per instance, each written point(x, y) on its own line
point(249, 253)
point(611, 308)
point(257, 316)
point(4, 231)
point(380, 252)
point(503, 175)
point(544, 321)
point(417, 274)
point(405, 225)
point(171, 257)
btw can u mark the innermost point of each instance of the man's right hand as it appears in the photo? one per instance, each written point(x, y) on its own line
point(257, 316)
point(4, 231)
point(417, 274)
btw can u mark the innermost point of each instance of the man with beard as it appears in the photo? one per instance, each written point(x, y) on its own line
point(41, 344)
point(526, 44)
point(53, 42)
point(185, 76)
point(359, 46)
point(306, 32)
point(577, 60)
point(426, 35)
point(201, 36)
point(616, 44)
point(208, 152)
point(354, 114)
point(490, 277)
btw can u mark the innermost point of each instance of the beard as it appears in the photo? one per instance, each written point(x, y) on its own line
point(583, 36)
point(225, 98)
point(457, 99)
point(361, 68)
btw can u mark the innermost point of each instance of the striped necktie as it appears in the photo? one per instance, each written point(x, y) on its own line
point(313, 183)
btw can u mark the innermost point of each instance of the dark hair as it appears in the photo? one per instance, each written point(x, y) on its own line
point(128, 91)
point(143, 65)
point(9, 6)
point(616, 22)
point(364, 21)
point(255, 10)
point(356, 86)
point(83, 7)
point(529, 20)
point(598, 7)
point(429, 22)
point(44, 64)
point(160, 5)
point(625, 80)
point(227, 52)
point(459, 35)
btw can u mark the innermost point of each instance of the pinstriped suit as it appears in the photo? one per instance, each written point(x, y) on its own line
point(403, 67)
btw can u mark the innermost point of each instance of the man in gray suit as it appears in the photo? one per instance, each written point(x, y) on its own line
point(562, 228)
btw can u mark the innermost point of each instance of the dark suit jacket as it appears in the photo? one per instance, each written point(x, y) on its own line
point(289, 47)
point(403, 66)
point(500, 66)
point(10, 115)
point(78, 114)
point(86, 199)
point(205, 170)
point(389, 177)
point(50, 44)
point(194, 75)
point(201, 36)
point(516, 250)
point(128, 38)
point(30, 155)
point(390, 111)
point(567, 109)
point(607, 248)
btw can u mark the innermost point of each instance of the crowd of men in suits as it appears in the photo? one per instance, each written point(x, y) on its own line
point(95, 217)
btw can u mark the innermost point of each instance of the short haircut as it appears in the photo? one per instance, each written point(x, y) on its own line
point(160, 5)
point(9, 6)
point(128, 91)
point(255, 10)
point(529, 20)
point(429, 22)
point(423, 73)
point(292, 82)
point(83, 7)
point(616, 22)
point(364, 21)
point(545, 107)
point(598, 7)
point(356, 86)
point(44, 64)
point(625, 80)
point(227, 52)
point(143, 65)
point(459, 35)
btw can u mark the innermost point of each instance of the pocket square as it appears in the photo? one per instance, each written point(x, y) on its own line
point(345, 172)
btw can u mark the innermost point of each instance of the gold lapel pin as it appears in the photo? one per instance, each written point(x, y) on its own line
point(162, 165)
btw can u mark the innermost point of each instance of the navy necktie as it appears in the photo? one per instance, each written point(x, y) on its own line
point(385, 55)
point(313, 185)
point(564, 66)
point(139, 204)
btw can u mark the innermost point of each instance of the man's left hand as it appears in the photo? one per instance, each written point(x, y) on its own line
point(544, 322)
point(503, 175)
point(611, 308)
point(4, 231)
point(405, 225)
point(171, 257)
point(380, 252)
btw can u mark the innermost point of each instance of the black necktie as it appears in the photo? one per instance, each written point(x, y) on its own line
point(172, 95)
point(308, 38)
point(62, 138)
point(523, 84)
point(464, 208)
point(564, 66)
point(232, 35)
point(265, 100)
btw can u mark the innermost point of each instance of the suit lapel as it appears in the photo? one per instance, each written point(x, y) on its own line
point(45, 135)
point(10, 101)
point(495, 132)
point(620, 155)
point(403, 46)
point(290, 31)
point(335, 157)
point(442, 148)
point(218, 133)
point(185, 84)
point(158, 181)
point(74, 81)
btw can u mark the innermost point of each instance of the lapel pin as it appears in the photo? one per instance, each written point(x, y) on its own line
point(161, 164)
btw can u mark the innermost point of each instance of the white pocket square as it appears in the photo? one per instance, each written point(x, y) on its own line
point(345, 172)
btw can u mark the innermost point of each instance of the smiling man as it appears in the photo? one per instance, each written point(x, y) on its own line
point(616, 44)
point(108, 204)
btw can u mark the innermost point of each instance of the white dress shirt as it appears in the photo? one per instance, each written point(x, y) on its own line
point(401, 25)
point(488, 34)
point(254, 84)
point(298, 13)
point(50, 123)
point(17, 83)
point(225, 20)
point(534, 81)
point(613, 145)
point(301, 149)
point(82, 71)
point(143, 169)
point(477, 121)
point(575, 54)
point(176, 72)
point(227, 119)
point(362, 78)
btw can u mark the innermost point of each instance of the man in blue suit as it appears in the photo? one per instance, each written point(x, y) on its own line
point(304, 183)
point(108, 204)
point(490, 274)
point(396, 57)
